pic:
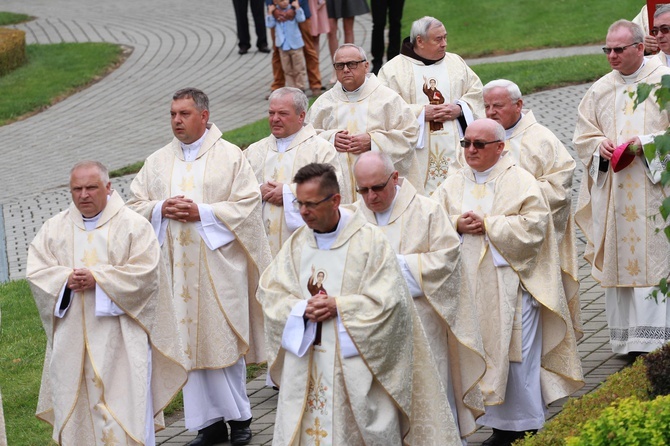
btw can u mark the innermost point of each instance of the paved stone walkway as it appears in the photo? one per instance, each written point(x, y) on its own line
point(124, 118)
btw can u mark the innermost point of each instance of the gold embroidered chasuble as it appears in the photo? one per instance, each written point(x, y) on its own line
point(420, 230)
point(626, 246)
point(516, 218)
point(375, 309)
point(111, 352)
point(269, 164)
point(536, 149)
point(219, 318)
point(455, 81)
point(382, 114)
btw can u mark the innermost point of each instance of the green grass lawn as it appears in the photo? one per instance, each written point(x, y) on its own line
point(502, 26)
point(10, 18)
point(52, 73)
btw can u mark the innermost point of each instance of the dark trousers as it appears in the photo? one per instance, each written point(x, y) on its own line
point(258, 13)
point(380, 9)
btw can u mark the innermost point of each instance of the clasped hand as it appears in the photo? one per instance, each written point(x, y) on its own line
point(80, 279)
point(321, 308)
point(181, 209)
point(356, 144)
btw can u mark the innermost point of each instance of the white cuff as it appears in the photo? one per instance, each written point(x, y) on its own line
point(57, 311)
point(414, 287)
point(347, 347)
point(298, 335)
point(158, 222)
point(291, 215)
point(214, 233)
point(467, 114)
point(421, 142)
point(104, 306)
point(498, 259)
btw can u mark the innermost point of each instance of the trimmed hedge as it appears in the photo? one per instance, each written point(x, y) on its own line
point(12, 49)
point(658, 370)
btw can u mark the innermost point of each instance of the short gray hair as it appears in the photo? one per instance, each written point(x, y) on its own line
point(512, 89)
point(385, 159)
point(199, 97)
point(359, 48)
point(634, 28)
point(300, 101)
point(421, 27)
point(104, 172)
point(662, 9)
point(499, 131)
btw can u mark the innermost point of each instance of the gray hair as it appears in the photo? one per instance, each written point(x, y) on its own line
point(359, 48)
point(104, 172)
point(499, 131)
point(662, 9)
point(512, 89)
point(635, 29)
point(300, 101)
point(201, 100)
point(421, 27)
point(386, 161)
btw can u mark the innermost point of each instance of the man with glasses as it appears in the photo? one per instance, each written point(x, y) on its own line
point(423, 69)
point(661, 32)
point(359, 114)
point(618, 202)
point(511, 261)
point(349, 355)
point(277, 158)
point(202, 198)
point(428, 251)
point(536, 149)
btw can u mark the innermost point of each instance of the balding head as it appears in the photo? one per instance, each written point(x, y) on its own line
point(376, 179)
point(491, 135)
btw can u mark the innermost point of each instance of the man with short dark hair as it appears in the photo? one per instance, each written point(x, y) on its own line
point(277, 158)
point(661, 32)
point(443, 92)
point(621, 192)
point(113, 361)
point(345, 345)
point(359, 114)
point(511, 260)
point(202, 198)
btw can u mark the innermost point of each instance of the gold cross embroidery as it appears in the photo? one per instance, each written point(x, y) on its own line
point(316, 432)
point(629, 185)
point(187, 184)
point(90, 258)
point(184, 238)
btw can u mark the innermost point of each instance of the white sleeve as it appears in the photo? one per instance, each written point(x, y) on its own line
point(213, 232)
point(347, 347)
point(421, 142)
point(291, 215)
point(104, 306)
point(57, 311)
point(414, 287)
point(655, 167)
point(467, 114)
point(298, 335)
point(158, 222)
point(498, 259)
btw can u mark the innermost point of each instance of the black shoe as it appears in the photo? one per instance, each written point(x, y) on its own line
point(505, 438)
point(243, 50)
point(240, 432)
point(211, 435)
point(264, 49)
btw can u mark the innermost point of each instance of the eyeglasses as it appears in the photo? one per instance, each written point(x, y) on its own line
point(619, 49)
point(352, 65)
point(376, 188)
point(664, 29)
point(479, 145)
point(297, 205)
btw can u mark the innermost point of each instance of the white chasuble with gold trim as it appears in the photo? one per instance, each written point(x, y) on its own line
point(441, 147)
point(353, 117)
point(187, 180)
point(321, 272)
point(278, 167)
point(630, 209)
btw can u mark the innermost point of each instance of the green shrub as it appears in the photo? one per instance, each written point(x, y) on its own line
point(12, 49)
point(631, 381)
point(627, 423)
point(658, 370)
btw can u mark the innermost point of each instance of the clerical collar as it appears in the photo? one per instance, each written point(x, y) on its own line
point(383, 217)
point(480, 177)
point(283, 143)
point(91, 222)
point(408, 50)
point(630, 78)
point(510, 131)
point(191, 150)
point(324, 240)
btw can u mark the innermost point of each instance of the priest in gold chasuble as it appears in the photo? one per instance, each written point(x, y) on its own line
point(360, 114)
point(202, 198)
point(113, 360)
point(511, 260)
point(277, 158)
point(536, 149)
point(428, 251)
point(345, 344)
point(442, 91)
point(618, 210)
